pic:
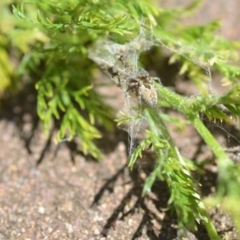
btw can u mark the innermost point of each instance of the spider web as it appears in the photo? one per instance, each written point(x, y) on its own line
point(190, 53)
point(121, 62)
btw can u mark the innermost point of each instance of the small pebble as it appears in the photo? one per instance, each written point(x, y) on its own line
point(69, 227)
point(41, 210)
point(96, 232)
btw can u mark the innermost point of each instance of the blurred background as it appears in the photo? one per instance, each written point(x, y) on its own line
point(226, 11)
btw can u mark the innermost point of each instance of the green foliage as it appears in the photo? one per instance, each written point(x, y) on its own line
point(51, 40)
point(172, 168)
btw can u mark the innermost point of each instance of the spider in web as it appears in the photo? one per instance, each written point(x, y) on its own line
point(138, 82)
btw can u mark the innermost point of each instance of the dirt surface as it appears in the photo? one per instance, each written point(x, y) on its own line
point(69, 196)
point(50, 191)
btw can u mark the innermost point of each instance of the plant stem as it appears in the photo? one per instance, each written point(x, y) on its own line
point(151, 115)
point(185, 106)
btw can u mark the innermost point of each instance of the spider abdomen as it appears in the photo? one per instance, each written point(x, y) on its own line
point(148, 95)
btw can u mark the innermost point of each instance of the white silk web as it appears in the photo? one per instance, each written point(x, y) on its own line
point(121, 63)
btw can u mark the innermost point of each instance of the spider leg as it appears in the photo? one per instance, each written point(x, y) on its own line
point(121, 59)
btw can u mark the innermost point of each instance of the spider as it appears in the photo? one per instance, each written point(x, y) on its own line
point(136, 81)
point(141, 84)
point(143, 88)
